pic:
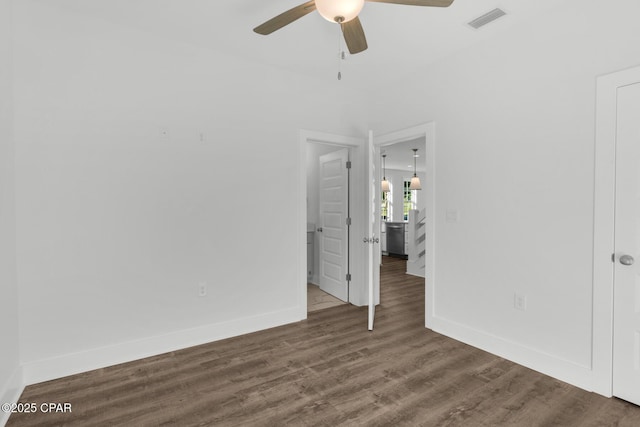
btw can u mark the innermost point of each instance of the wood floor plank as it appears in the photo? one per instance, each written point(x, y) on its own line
point(328, 371)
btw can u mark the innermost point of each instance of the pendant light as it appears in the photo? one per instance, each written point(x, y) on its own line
point(385, 184)
point(415, 181)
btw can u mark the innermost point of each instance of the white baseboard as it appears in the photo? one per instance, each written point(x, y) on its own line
point(415, 274)
point(564, 370)
point(11, 392)
point(414, 268)
point(74, 363)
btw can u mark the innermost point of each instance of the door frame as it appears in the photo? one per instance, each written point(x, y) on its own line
point(356, 259)
point(426, 130)
point(603, 226)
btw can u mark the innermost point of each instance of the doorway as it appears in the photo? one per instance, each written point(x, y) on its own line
point(397, 205)
point(327, 218)
point(401, 207)
point(308, 224)
point(616, 289)
point(399, 166)
point(626, 285)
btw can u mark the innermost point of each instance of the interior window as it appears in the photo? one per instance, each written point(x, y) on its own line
point(385, 206)
point(409, 200)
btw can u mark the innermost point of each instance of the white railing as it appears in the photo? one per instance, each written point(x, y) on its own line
point(416, 246)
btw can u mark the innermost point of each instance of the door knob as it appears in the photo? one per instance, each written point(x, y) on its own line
point(319, 230)
point(626, 260)
point(365, 240)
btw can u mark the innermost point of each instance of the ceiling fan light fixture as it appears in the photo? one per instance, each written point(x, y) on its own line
point(339, 11)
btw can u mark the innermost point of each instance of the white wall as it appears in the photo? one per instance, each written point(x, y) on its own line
point(514, 154)
point(118, 223)
point(10, 372)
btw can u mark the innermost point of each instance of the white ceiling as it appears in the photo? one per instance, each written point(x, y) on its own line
point(402, 39)
point(400, 155)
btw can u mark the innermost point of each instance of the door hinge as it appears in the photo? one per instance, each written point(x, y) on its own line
point(348, 221)
point(613, 257)
point(348, 164)
point(348, 277)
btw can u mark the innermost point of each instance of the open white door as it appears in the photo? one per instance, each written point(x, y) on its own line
point(333, 231)
point(372, 240)
point(626, 331)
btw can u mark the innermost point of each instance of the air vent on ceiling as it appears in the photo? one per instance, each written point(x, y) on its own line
point(486, 18)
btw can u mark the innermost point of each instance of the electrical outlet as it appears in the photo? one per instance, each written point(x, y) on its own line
point(519, 301)
point(202, 289)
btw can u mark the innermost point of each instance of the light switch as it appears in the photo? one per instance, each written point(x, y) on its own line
point(520, 301)
point(453, 215)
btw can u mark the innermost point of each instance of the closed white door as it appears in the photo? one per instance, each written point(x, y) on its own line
point(333, 231)
point(626, 334)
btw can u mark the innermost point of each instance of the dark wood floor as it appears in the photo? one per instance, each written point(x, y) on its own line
point(328, 370)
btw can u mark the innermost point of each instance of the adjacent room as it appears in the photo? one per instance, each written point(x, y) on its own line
point(161, 200)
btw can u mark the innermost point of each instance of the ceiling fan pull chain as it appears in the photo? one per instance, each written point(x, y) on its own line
point(341, 55)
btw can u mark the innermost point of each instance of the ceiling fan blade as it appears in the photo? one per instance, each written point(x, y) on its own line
point(285, 18)
point(354, 36)
point(433, 3)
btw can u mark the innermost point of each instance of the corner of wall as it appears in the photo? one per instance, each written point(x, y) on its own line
point(10, 393)
point(564, 370)
point(11, 373)
point(96, 358)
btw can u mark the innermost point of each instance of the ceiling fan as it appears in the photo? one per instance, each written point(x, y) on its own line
point(343, 12)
